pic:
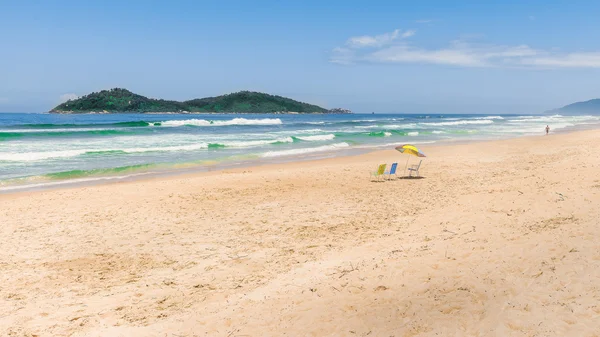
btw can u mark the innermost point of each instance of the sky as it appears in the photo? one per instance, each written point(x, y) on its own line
point(367, 56)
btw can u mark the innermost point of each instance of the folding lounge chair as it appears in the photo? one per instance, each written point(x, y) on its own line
point(392, 171)
point(414, 168)
point(379, 173)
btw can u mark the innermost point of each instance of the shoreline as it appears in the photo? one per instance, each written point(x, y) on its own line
point(493, 240)
point(202, 169)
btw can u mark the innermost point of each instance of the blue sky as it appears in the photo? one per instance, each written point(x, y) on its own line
point(383, 56)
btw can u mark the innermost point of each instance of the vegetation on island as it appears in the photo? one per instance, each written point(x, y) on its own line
point(122, 100)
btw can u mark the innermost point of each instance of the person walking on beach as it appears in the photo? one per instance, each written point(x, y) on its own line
point(547, 129)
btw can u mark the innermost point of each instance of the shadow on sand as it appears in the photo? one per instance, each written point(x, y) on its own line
point(397, 178)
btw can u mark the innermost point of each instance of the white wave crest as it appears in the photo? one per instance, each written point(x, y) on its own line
point(293, 152)
point(461, 122)
point(235, 121)
point(189, 147)
point(251, 143)
point(490, 117)
point(387, 134)
point(553, 119)
point(36, 156)
point(316, 137)
point(400, 126)
point(414, 133)
point(436, 132)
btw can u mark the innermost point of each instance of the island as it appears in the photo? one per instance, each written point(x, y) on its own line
point(120, 100)
point(587, 107)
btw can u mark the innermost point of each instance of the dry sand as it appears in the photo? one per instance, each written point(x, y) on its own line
point(499, 239)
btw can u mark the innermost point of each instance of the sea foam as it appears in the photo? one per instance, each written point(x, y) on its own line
point(251, 143)
point(293, 152)
point(316, 137)
point(35, 156)
point(461, 122)
point(235, 121)
point(490, 117)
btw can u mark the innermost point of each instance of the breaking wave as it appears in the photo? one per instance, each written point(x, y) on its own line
point(293, 152)
point(235, 121)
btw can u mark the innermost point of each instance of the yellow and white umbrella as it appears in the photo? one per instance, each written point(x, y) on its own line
point(410, 149)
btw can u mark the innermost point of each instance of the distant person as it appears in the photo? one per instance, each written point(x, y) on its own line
point(547, 129)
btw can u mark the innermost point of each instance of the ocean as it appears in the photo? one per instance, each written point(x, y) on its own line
point(42, 150)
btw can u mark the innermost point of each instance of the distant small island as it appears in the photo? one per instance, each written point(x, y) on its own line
point(120, 100)
point(587, 107)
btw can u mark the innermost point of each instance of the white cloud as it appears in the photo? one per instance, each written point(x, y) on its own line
point(391, 48)
point(406, 54)
point(572, 60)
point(65, 97)
point(377, 40)
point(408, 33)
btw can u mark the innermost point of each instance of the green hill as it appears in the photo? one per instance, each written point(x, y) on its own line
point(122, 100)
point(247, 101)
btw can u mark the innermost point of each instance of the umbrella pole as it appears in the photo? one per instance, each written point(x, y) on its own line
point(405, 166)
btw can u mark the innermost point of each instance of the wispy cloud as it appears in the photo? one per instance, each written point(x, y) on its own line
point(571, 60)
point(408, 33)
point(65, 97)
point(378, 40)
point(394, 48)
point(458, 54)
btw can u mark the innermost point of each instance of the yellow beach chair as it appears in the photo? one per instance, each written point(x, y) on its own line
point(379, 173)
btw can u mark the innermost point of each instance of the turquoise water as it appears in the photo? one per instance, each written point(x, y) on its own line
point(38, 149)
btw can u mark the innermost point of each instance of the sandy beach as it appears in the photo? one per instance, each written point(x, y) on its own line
point(499, 238)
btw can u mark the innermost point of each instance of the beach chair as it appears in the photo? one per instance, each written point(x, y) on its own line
point(392, 171)
point(379, 173)
point(414, 168)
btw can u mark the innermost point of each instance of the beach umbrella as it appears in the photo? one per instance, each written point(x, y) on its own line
point(410, 149)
